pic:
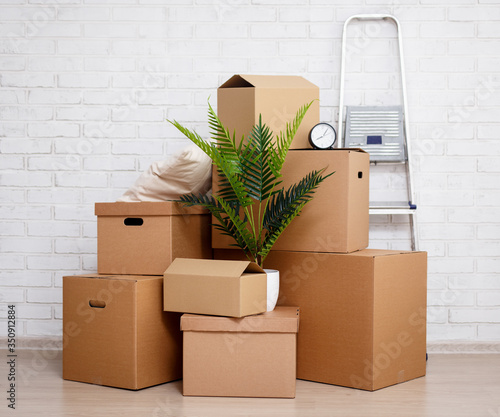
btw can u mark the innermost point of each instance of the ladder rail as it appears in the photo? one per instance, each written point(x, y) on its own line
point(406, 123)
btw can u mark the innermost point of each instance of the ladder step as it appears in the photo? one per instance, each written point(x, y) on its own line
point(392, 207)
point(396, 205)
point(373, 211)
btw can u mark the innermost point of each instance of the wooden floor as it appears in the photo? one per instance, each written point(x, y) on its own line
point(455, 385)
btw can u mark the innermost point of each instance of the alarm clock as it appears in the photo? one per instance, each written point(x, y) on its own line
point(322, 136)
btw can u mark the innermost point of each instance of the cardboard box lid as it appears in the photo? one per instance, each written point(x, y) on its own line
point(146, 208)
point(280, 320)
point(136, 278)
point(373, 253)
point(212, 267)
point(267, 81)
point(329, 150)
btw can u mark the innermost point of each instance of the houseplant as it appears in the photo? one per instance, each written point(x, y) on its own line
point(249, 205)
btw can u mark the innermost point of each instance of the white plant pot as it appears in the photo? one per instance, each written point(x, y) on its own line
point(273, 287)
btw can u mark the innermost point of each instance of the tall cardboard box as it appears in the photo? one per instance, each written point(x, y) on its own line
point(116, 333)
point(144, 238)
point(363, 314)
point(253, 356)
point(221, 288)
point(242, 98)
point(337, 218)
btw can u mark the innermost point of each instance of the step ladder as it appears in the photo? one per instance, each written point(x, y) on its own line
point(382, 131)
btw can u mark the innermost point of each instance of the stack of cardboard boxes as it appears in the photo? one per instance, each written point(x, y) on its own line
point(362, 312)
point(115, 331)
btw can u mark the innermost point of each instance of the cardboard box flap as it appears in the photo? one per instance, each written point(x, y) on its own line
point(210, 267)
point(280, 320)
point(267, 81)
point(146, 208)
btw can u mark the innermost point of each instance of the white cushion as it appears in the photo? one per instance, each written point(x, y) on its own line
point(189, 171)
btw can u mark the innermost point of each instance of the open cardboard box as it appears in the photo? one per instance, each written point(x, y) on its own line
point(337, 218)
point(242, 98)
point(115, 332)
point(222, 288)
point(144, 238)
point(253, 356)
point(363, 314)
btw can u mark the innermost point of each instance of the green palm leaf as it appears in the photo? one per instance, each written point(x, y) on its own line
point(245, 239)
point(225, 164)
point(256, 171)
point(284, 140)
point(248, 206)
point(285, 205)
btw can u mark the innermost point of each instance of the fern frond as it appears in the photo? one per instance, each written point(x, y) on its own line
point(284, 140)
point(239, 229)
point(226, 164)
point(256, 170)
point(285, 205)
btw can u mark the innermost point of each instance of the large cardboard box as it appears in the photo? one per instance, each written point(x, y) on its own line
point(336, 219)
point(250, 357)
point(116, 333)
point(221, 288)
point(363, 314)
point(144, 238)
point(242, 98)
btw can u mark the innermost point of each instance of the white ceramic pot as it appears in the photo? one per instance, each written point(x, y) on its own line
point(273, 287)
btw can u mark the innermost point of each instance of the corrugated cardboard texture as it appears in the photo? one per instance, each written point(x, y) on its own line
point(167, 231)
point(255, 363)
point(242, 98)
point(224, 288)
point(363, 314)
point(337, 219)
point(130, 342)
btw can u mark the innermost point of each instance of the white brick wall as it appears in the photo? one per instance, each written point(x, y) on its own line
point(85, 86)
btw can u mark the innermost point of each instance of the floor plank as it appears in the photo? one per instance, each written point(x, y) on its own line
point(455, 385)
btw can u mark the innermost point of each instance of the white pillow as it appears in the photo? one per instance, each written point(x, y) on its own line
point(189, 171)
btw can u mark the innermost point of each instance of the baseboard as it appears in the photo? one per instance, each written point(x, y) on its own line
point(463, 347)
point(55, 343)
point(39, 343)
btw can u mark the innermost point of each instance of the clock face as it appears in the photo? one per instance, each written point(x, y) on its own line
point(322, 136)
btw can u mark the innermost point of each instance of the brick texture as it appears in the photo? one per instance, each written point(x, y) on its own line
point(86, 86)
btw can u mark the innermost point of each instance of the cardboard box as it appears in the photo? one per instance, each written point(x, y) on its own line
point(144, 238)
point(250, 357)
point(336, 219)
point(363, 314)
point(221, 288)
point(116, 333)
point(242, 98)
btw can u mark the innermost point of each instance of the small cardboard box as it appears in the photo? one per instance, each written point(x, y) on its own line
point(337, 218)
point(242, 98)
point(116, 333)
point(221, 288)
point(250, 357)
point(363, 314)
point(144, 238)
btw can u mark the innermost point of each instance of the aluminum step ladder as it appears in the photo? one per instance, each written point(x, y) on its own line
point(382, 131)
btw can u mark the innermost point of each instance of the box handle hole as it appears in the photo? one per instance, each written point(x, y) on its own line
point(133, 221)
point(360, 174)
point(97, 304)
